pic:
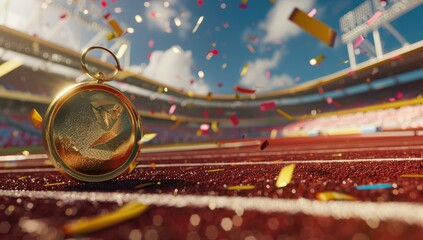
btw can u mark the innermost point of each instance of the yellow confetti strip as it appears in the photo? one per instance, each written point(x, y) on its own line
point(132, 166)
point(215, 170)
point(239, 188)
point(244, 70)
point(148, 137)
point(285, 175)
point(273, 134)
point(327, 196)
point(284, 114)
point(214, 126)
point(86, 225)
point(413, 175)
point(116, 27)
point(35, 118)
point(53, 184)
point(143, 185)
point(313, 26)
point(23, 177)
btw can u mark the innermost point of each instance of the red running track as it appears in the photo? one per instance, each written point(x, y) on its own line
point(187, 194)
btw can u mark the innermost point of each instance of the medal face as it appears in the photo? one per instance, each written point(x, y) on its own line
point(91, 132)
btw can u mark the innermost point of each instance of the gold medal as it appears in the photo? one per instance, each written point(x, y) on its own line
point(91, 131)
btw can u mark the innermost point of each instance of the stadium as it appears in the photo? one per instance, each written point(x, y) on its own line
point(335, 155)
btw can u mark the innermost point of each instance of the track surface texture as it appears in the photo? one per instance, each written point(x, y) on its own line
point(189, 196)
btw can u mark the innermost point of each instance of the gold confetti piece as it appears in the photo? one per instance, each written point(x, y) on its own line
point(148, 137)
point(153, 165)
point(143, 185)
point(132, 166)
point(285, 175)
point(327, 196)
point(284, 114)
point(111, 36)
point(35, 118)
point(86, 225)
point(22, 178)
point(336, 155)
point(53, 184)
point(214, 126)
point(9, 66)
point(215, 170)
point(240, 188)
point(25, 152)
point(273, 134)
point(116, 27)
point(317, 60)
point(244, 70)
point(412, 175)
point(313, 26)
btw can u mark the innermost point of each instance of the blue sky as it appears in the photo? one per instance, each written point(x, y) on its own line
point(282, 50)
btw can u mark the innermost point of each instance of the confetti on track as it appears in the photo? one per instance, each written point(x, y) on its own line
point(374, 186)
point(285, 176)
point(227, 181)
point(128, 211)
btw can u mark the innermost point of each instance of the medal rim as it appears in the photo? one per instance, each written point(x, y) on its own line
point(56, 105)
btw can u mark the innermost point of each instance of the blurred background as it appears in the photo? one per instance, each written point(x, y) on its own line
point(214, 70)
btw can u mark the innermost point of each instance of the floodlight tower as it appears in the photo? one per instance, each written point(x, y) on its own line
point(369, 17)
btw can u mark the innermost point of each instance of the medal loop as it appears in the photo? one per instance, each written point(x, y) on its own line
point(99, 76)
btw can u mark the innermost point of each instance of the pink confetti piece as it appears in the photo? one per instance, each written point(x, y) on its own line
point(200, 2)
point(219, 111)
point(204, 127)
point(251, 48)
point(329, 100)
point(172, 109)
point(235, 120)
point(264, 145)
point(215, 52)
point(320, 90)
point(358, 41)
point(297, 79)
point(63, 16)
point(267, 74)
point(374, 17)
point(264, 106)
point(150, 43)
point(312, 12)
point(243, 6)
point(104, 4)
point(220, 85)
point(149, 55)
point(206, 113)
point(106, 16)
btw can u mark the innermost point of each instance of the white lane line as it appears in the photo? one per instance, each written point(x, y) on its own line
point(275, 162)
point(203, 164)
point(411, 213)
point(271, 152)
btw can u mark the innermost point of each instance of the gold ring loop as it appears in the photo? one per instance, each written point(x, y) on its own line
point(99, 76)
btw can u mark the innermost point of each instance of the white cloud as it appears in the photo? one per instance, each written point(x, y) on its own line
point(162, 18)
point(256, 75)
point(277, 26)
point(173, 68)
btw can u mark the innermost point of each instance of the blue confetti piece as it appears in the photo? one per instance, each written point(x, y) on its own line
point(374, 186)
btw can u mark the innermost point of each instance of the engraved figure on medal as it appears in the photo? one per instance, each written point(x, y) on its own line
point(91, 131)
